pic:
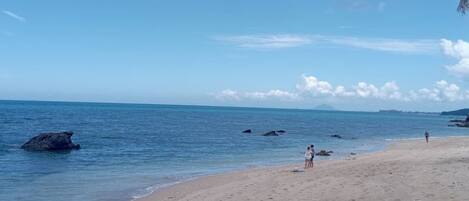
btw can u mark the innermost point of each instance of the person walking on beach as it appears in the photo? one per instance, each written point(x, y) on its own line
point(307, 157)
point(427, 135)
point(312, 155)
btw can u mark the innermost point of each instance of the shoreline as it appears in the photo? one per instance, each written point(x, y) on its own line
point(318, 159)
point(158, 188)
point(238, 184)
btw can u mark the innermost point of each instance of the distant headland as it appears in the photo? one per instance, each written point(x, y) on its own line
point(461, 112)
point(405, 112)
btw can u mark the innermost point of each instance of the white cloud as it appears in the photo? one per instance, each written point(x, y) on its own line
point(384, 44)
point(271, 41)
point(460, 51)
point(277, 41)
point(231, 95)
point(441, 91)
point(341, 91)
point(424, 94)
point(390, 90)
point(313, 86)
point(310, 87)
point(365, 90)
point(283, 95)
point(14, 16)
point(227, 94)
point(448, 91)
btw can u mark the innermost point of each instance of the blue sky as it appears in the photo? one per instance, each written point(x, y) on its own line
point(351, 54)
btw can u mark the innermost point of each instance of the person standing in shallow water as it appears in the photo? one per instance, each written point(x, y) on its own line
point(427, 135)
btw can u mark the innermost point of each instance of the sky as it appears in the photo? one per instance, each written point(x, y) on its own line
point(349, 54)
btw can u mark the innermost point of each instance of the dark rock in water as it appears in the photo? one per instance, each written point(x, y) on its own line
point(270, 133)
point(281, 131)
point(51, 142)
point(324, 153)
point(465, 124)
point(247, 131)
point(337, 136)
point(353, 153)
point(461, 123)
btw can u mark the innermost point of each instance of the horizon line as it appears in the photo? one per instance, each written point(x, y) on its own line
point(202, 105)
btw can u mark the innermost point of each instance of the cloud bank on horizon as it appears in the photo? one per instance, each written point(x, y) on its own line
point(312, 87)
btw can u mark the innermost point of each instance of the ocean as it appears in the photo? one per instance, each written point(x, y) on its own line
point(130, 150)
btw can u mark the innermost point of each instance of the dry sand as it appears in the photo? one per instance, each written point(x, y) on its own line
point(406, 170)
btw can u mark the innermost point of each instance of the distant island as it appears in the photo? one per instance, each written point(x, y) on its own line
point(461, 112)
point(392, 111)
point(324, 107)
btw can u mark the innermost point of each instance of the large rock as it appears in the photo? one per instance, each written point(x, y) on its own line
point(51, 142)
point(461, 123)
point(270, 133)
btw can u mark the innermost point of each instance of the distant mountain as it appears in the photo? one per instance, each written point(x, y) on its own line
point(324, 107)
point(462, 112)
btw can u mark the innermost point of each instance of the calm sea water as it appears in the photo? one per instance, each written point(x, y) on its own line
point(128, 150)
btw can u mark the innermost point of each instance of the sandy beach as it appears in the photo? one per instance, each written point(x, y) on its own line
point(406, 170)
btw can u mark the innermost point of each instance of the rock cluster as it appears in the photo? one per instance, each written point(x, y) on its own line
point(324, 153)
point(270, 133)
point(336, 136)
point(461, 123)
